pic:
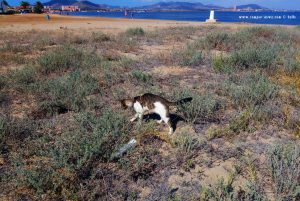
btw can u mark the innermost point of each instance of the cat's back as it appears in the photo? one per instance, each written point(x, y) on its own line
point(149, 99)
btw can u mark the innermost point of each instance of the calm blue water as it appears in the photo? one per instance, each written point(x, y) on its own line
point(287, 18)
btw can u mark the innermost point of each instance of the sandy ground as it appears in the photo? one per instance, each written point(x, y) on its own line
point(38, 22)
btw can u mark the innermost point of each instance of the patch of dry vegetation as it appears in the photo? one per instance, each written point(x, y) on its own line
point(244, 114)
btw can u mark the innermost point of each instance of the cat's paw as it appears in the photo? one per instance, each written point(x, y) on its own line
point(159, 121)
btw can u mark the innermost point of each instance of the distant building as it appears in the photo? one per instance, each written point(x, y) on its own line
point(70, 8)
point(24, 9)
point(47, 9)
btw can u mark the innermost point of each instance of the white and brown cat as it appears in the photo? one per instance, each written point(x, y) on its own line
point(151, 103)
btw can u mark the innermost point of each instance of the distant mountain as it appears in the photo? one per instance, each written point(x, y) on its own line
point(161, 6)
point(250, 6)
point(178, 6)
point(83, 5)
point(86, 5)
point(59, 2)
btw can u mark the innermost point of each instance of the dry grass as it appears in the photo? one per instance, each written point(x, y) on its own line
point(60, 119)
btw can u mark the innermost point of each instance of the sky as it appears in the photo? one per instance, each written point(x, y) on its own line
point(273, 4)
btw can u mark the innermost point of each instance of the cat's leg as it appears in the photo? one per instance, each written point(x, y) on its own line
point(159, 121)
point(135, 117)
point(167, 120)
point(164, 115)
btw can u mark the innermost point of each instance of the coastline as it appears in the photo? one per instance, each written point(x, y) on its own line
point(27, 22)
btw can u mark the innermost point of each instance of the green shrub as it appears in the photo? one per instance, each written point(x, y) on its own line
point(262, 114)
point(222, 64)
point(3, 130)
point(291, 64)
point(3, 82)
point(221, 191)
point(59, 165)
point(250, 90)
point(39, 178)
point(113, 75)
point(60, 60)
point(125, 62)
point(200, 108)
point(67, 92)
point(22, 78)
point(235, 41)
point(216, 40)
point(93, 137)
point(64, 58)
point(189, 56)
point(138, 31)
point(100, 37)
point(283, 164)
point(225, 191)
point(140, 76)
point(186, 143)
point(263, 56)
point(240, 122)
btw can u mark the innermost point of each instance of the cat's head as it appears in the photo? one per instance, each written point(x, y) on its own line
point(126, 103)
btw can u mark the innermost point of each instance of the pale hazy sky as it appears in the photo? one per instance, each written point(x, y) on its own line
point(279, 4)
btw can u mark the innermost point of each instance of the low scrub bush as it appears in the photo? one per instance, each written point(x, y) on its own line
point(3, 82)
point(201, 108)
point(216, 40)
point(264, 57)
point(3, 130)
point(99, 37)
point(94, 137)
point(186, 143)
point(222, 64)
point(283, 164)
point(189, 56)
point(240, 122)
point(64, 58)
point(235, 41)
point(225, 190)
point(67, 92)
point(60, 165)
point(291, 60)
point(113, 75)
point(141, 76)
point(138, 31)
point(250, 90)
point(22, 78)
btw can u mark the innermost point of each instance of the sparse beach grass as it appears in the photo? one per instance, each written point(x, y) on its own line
point(61, 121)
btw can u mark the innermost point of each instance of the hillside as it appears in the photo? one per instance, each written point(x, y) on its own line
point(250, 6)
point(178, 6)
point(84, 5)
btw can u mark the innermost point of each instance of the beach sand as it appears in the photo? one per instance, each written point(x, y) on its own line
point(38, 22)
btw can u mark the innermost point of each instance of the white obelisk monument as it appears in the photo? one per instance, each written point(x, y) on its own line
point(211, 17)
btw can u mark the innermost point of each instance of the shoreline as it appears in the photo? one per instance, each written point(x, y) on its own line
point(26, 22)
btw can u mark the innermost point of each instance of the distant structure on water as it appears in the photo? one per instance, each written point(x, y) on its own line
point(211, 17)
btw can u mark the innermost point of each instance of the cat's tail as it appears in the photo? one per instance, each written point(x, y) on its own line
point(181, 102)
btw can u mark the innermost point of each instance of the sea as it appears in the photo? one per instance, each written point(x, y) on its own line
point(280, 18)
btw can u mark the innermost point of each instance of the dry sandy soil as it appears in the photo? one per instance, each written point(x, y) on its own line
point(33, 21)
point(38, 22)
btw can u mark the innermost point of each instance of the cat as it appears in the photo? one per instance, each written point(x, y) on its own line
point(152, 104)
